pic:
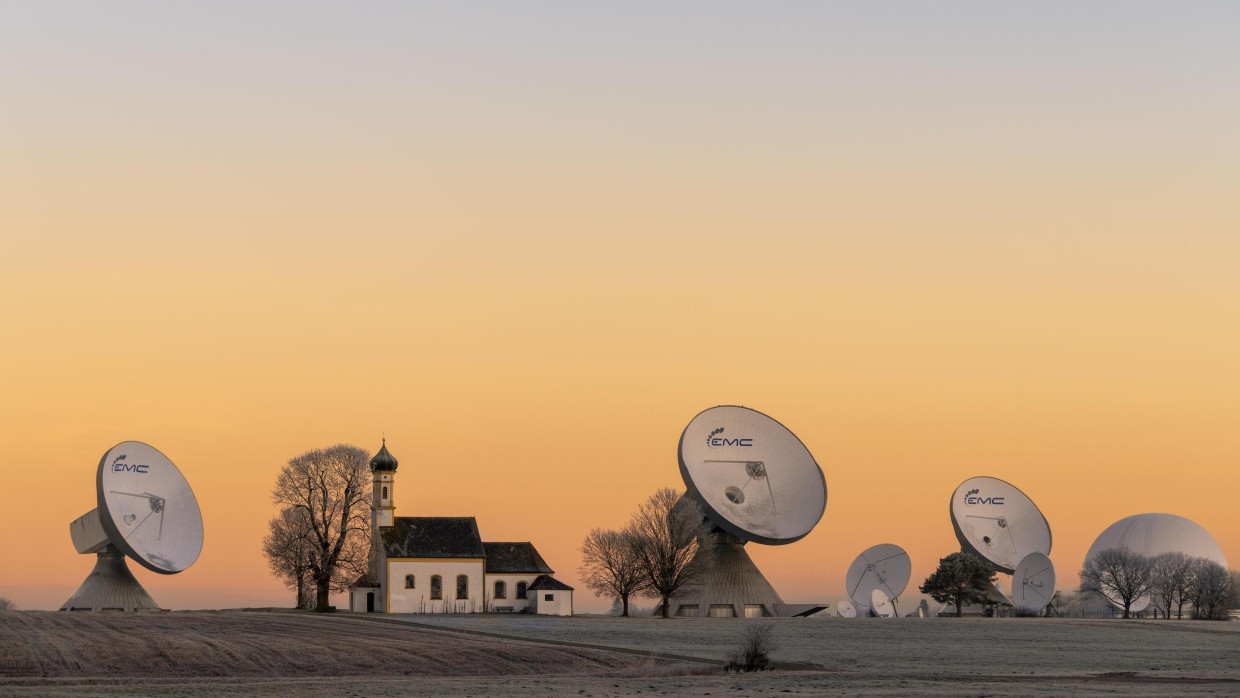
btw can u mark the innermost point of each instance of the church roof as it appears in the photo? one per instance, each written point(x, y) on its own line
point(384, 460)
point(514, 558)
point(365, 582)
point(432, 536)
point(548, 583)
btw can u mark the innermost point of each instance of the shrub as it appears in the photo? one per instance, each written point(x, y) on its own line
point(755, 649)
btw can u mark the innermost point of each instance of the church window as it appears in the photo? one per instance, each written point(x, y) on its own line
point(501, 590)
point(521, 590)
point(436, 587)
point(409, 581)
point(462, 586)
point(385, 492)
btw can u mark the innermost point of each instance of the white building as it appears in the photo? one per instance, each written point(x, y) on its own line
point(439, 564)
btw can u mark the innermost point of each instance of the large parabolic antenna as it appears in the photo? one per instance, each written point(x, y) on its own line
point(755, 482)
point(998, 523)
point(146, 511)
point(1152, 535)
point(1033, 583)
point(884, 567)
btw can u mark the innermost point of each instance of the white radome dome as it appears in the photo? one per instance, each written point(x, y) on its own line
point(1155, 534)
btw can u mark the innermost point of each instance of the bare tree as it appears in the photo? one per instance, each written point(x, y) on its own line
point(1119, 574)
point(1233, 593)
point(6, 605)
point(669, 538)
point(1211, 585)
point(288, 547)
point(1172, 574)
point(332, 486)
point(609, 566)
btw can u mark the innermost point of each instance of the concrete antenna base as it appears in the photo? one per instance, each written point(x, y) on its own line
point(110, 587)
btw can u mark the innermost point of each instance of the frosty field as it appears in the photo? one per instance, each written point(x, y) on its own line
point(228, 653)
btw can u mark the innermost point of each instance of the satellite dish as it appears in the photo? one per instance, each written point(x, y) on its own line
point(146, 511)
point(845, 609)
point(753, 477)
point(1033, 583)
point(1141, 603)
point(884, 566)
point(998, 523)
point(881, 604)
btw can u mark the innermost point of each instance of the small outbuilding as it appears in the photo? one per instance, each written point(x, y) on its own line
point(551, 597)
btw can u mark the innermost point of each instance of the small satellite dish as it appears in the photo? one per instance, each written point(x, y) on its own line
point(845, 609)
point(884, 566)
point(881, 604)
point(1033, 583)
point(1141, 603)
point(146, 511)
point(998, 523)
point(753, 477)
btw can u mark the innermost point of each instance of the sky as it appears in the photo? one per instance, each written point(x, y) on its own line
point(528, 242)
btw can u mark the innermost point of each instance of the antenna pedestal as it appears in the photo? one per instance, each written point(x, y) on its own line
point(110, 587)
point(732, 586)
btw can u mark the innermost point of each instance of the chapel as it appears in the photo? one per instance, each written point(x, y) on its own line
point(440, 564)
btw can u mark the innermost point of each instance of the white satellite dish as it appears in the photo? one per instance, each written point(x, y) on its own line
point(753, 477)
point(146, 511)
point(1141, 603)
point(1033, 583)
point(881, 604)
point(998, 523)
point(754, 481)
point(845, 609)
point(884, 566)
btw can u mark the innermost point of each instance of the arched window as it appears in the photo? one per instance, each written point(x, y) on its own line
point(409, 581)
point(385, 492)
point(436, 587)
point(462, 586)
point(520, 590)
point(501, 590)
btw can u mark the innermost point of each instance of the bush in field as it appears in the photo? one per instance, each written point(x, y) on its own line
point(6, 605)
point(755, 649)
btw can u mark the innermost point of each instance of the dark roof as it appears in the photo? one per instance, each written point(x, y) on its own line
point(365, 582)
point(432, 536)
point(549, 583)
point(383, 460)
point(514, 558)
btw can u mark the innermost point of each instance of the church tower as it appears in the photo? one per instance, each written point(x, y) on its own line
point(383, 476)
point(383, 468)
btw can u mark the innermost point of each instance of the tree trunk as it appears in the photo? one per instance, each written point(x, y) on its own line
point(321, 590)
point(1127, 604)
point(624, 603)
point(301, 590)
point(959, 606)
point(665, 605)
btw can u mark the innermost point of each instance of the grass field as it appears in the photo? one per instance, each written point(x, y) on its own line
point(278, 653)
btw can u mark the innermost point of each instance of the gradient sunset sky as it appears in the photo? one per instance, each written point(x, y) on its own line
point(530, 241)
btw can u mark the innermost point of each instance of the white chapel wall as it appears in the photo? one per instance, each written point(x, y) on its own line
point(418, 599)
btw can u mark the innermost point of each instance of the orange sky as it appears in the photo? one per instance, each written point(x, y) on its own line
point(530, 245)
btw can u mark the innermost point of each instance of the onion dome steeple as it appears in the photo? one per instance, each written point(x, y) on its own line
point(383, 460)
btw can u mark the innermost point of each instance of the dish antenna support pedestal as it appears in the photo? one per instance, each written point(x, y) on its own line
point(110, 586)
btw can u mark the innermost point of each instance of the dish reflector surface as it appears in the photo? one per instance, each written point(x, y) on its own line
point(884, 566)
point(881, 604)
point(1033, 583)
point(147, 508)
point(753, 477)
point(845, 609)
point(998, 523)
point(1155, 534)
